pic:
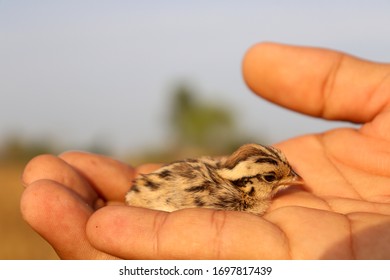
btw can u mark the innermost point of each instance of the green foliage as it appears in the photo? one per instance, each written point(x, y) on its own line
point(197, 127)
point(17, 150)
point(203, 126)
point(198, 124)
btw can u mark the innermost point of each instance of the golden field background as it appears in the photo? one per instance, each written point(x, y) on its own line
point(17, 239)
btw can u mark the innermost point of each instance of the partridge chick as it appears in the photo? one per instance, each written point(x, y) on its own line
point(245, 181)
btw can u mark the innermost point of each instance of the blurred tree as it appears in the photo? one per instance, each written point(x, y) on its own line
point(202, 127)
point(196, 127)
point(17, 150)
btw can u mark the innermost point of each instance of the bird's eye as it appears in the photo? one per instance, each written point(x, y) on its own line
point(269, 178)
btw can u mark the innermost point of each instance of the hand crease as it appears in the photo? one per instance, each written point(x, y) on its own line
point(158, 224)
point(332, 161)
point(351, 241)
point(287, 241)
point(327, 87)
point(377, 92)
point(218, 220)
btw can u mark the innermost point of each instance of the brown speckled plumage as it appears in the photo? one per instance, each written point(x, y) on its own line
point(245, 181)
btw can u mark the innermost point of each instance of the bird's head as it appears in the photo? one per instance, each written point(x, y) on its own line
point(259, 171)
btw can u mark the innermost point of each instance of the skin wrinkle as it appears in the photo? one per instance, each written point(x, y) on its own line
point(361, 196)
point(340, 161)
point(368, 133)
point(89, 182)
point(373, 128)
point(375, 208)
point(378, 148)
point(368, 207)
point(327, 88)
point(332, 160)
point(98, 203)
point(328, 204)
point(377, 91)
point(287, 240)
point(159, 223)
point(350, 239)
point(218, 221)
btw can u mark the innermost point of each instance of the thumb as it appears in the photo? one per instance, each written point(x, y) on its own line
point(318, 82)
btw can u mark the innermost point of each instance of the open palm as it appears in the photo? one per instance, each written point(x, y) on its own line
point(75, 201)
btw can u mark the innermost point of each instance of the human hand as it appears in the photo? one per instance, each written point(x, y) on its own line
point(75, 201)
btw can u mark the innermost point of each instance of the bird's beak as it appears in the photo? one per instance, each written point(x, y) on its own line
point(292, 179)
point(295, 178)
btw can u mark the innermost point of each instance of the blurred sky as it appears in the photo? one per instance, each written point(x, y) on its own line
point(82, 72)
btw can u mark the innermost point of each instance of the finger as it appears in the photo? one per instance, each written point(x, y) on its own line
point(318, 82)
point(59, 215)
point(137, 233)
point(147, 168)
point(111, 178)
point(53, 168)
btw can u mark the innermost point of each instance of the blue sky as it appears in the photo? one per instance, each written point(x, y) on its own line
point(82, 72)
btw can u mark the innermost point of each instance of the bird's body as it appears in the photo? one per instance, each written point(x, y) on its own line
point(245, 181)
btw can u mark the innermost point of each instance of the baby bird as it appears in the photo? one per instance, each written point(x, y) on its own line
point(245, 181)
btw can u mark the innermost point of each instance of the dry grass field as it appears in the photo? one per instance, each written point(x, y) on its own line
point(17, 239)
